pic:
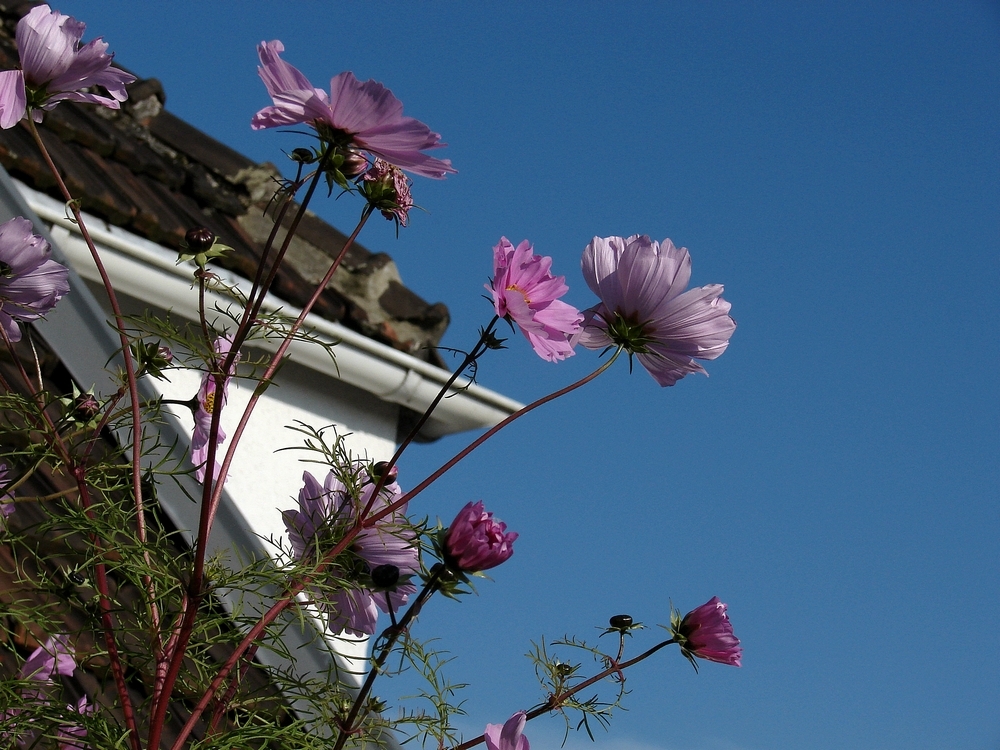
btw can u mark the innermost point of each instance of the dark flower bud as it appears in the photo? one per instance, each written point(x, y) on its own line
point(378, 471)
point(385, 576)
point(302, 155)
point(442, 572)
point(620, 622)
point(199, 239)
point(354, 163)
point(86, 407)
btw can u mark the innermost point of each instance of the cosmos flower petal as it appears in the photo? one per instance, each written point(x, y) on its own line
point(645, 309)
point(509, 735)
point(31, 284)
point(365, 113)
point(13, 99)
point(280, 77)
point(325, 512)
point(56, 68)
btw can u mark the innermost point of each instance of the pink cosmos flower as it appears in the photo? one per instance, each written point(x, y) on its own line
point(71, 736)
point(208, 397)
point(706, 632)
point(30, 283)
point(365, 115)
point(645, 309)
point(52, 657)
point(508, 736)
point(54, 68)
point(327, 511)
point(526, 292)
point(475, 541)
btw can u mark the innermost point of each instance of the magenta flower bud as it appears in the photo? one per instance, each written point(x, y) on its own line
point(475, 541)
point(86, 406)
point(388, 190)
point(508, 736)
point(199, 239)
point(164, 353)
point(706, 632)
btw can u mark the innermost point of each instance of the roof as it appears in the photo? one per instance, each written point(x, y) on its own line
point(145, 170)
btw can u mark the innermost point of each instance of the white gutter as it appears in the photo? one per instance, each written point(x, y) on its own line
point(149, 272)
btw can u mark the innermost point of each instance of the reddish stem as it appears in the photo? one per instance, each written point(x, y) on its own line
point(555, 701)
point(101, 579)
point(406, 497)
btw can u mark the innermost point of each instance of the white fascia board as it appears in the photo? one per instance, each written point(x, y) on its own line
point(148, 271)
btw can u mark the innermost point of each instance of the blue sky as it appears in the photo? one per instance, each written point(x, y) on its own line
point(835, 480)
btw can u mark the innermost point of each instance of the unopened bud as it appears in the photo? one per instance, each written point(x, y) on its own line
point(86, 406)
point(302, 155)
point(164, 353)
point(620, 622)
point(354, 163)
point(199, 239)
point(385, 576)
point(378, 471)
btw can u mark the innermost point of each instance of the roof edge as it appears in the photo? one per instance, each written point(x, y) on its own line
point(150, 272)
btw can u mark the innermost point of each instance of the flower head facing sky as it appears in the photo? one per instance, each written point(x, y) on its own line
point(30, 283)
point(706, 632)
point(208, 399)
point(507, 736)
point(475, 541)
point(645, 309)
point(326, 511)
point(55, 67)
point(364, 115)
point(525, 291)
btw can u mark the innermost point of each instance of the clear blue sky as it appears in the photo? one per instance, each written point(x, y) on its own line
point(835, 480)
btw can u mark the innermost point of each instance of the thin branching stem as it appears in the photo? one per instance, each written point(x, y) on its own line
point(406, 497)
point(478, 350)
point(296, 588)
point(133, 386)
point(104, 601)
point(273, 367)
point(556, 700)
point(391, 635)
point(213, 487)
